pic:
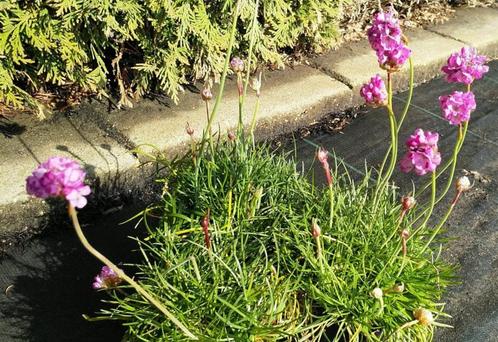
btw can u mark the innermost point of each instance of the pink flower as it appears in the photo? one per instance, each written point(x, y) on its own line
point(59, 176)
point(386, 39)
point(465, 66)
point(385, 32)
point(423, 155)
point(393, 59)
point(106, 279)
point(374, 92)
point(457, 107)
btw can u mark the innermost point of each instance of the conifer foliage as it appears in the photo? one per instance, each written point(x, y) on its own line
point(91, 46)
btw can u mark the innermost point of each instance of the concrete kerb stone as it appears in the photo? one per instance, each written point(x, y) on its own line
point(476, 27)
point(74, 136)
point(289, 99)
point(354, 63)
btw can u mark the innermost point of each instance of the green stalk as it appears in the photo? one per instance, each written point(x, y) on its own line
point(410, 95)
point(248, 72)
point(403, 114)
point(251, 47)
point(79, 232)
point(253, 121)
point(393, 149)
point(431, 208)
point(443, 221)
point(331, 198)
point(222, 80)
point(394, 143)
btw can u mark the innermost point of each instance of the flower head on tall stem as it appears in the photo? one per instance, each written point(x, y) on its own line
point(237, 65)
point(386, 38)
point(422, 155)
point(106, 279)
point(457, 106)
point(465, 66)
point(374, 92)
point(322, 156)
point(59, 177)
point(206, 94)
point(189, 129)
point(462, 184)
point(393, 59)
point(385, 31)
point(408, 202)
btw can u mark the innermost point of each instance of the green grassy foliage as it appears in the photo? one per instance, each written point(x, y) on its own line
point(264, 279)
point(90, 45)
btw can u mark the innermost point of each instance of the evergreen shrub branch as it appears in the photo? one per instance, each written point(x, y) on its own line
point(88, 45)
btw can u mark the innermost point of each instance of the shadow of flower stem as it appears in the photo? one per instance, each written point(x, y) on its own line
point(79, 232)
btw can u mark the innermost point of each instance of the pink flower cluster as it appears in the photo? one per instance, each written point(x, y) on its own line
point(374, 92)
point(457, 106)
point(59, 176)
point(386, 39)
point(106, 279)
point(465, 66)
point(423, 155)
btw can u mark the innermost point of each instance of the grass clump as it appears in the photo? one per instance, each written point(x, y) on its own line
point(263, 276)
point(247, 248)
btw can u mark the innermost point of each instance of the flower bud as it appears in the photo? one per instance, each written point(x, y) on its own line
point(405, 234)
point(237, 65)
point(206, 94)
point(463, 184)
point(189, 129)
point(399, 288)
point(205, 229)
point(256, 84)
point(377, 293)
point(408, 202)
point(424, 316)
point(231, 136)
point(322, 155)
point(316, 231)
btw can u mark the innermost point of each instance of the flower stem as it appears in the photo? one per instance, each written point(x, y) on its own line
point(410, 95)
point(443, 221)
point(253, 121)
point(393, 149)
point(79, 232)
point(223, 77)
point(331, 198)
point(431, 207)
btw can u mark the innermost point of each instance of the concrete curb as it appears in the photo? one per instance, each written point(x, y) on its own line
point(102, 140)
